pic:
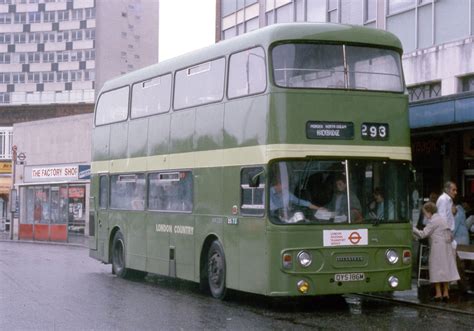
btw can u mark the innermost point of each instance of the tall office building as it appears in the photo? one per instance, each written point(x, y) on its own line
point(438, 41)
point(47, 51)
point(127, 37)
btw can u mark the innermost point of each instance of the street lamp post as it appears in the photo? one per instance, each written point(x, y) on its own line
point(13, 195)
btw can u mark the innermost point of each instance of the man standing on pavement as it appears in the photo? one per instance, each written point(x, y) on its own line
point(445, 203)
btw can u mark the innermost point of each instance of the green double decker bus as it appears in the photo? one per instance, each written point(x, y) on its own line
point(277, 163)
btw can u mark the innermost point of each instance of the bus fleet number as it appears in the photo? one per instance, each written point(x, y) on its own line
point(374, 131)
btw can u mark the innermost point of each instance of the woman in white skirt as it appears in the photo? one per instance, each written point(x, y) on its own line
point(442, 260)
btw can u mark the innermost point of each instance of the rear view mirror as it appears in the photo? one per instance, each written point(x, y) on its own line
point(254, 179)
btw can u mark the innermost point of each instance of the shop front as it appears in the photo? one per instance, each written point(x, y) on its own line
point(53, 203)
point(442, 134)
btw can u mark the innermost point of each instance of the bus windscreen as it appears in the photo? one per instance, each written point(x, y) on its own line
point(304, 65)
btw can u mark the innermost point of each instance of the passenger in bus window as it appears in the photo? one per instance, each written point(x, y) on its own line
point(378, 206)
point(338, 203)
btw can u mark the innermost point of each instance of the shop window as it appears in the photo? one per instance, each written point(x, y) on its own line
point(59, 204)
point(252, 191)
point(76, 215)
point(127, 192)
point(170, 191)
point(103, 192)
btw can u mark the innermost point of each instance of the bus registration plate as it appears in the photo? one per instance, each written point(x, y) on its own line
point(350, 277)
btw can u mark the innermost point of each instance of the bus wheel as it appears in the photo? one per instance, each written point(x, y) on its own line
point(216, 271)
point(118, 256)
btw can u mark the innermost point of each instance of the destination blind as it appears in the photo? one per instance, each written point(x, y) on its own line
point(329, 130)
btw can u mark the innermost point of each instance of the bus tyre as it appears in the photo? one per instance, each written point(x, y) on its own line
point(216, 270)
point(118, 257)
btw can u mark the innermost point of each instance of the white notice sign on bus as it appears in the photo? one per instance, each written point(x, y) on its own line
point(356, 237)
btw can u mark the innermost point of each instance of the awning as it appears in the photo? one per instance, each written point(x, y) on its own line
point(5, 185)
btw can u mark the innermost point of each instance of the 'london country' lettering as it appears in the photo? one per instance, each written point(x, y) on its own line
point(177, 229)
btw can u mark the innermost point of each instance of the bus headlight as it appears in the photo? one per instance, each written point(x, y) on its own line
point(393, 281)
point(305, 259)
point(392, 256)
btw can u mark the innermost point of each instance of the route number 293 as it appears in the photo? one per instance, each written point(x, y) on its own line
point(376, 131)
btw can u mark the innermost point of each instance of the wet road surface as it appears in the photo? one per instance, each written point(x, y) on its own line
point(58, 287)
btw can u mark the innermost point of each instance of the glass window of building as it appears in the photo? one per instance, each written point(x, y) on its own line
point(5, 38)
point(4, 97)
point(19, 18)
point(19, 38)
point(228, 7)
point(76, 35)
point(395, 6)
point(370, 10)
point(49, 16)
point(63, 15)
point(333, 11)
point(48, 57)
point(284, 14)
point(5, 58)
point(5, 18)
point(90, 13)
point(77, 14)
point(424, 91)
point(34, 17)
point(467, 83)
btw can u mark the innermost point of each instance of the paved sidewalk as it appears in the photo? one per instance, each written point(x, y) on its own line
point(458, 302)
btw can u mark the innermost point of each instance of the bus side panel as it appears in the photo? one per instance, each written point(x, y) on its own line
point(100, 143)
point(137, 137)
point(158, 134)
point(182, 132)
point(132, 225)
point(182, 240)
point(231, 226)
point(118, 140)
point(253, 274)
point(136, 246)
point(245, 122)
point(157, 243)
point(209, 134)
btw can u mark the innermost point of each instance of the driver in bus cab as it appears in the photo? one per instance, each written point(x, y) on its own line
point(338, 203)
point(277, 195)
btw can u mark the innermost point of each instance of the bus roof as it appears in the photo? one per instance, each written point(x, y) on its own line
point(325, 32)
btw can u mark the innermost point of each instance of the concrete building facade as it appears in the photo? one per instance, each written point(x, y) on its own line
point(52, 178)
point(438, 62)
